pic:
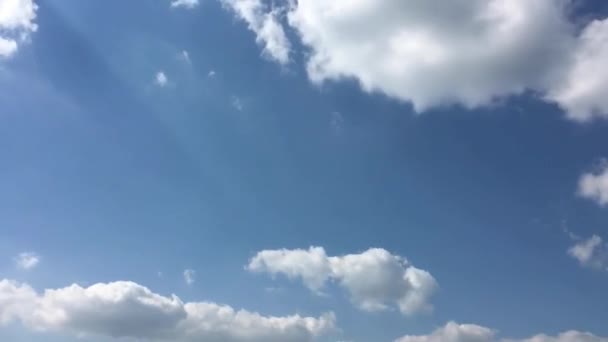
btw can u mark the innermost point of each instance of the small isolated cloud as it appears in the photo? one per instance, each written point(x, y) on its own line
point(161, 79)
point(264, 22)
point(27, 260)
point(237, 103)
point(189, 276)
point(454, 332)
point(594, 186)
point(592, 253)
point(130, 311)
point(16, 24)
point(211, 74)
point(189, 4)
point(375, 279)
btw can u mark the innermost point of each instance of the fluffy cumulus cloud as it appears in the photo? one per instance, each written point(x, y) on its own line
point(129, 310)
point(454, 332)
point(27, 260)
point(264, 22)
point(592, 253)
point(432, 53)
point(184, 3)
point(594, 185)
point(375, 279)
point(17, 22)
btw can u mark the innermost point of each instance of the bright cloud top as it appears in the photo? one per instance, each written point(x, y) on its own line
point(375, 279)
point(592, 253)
point(454, 332)
point(433, 53)
point(129, 310)
point(27, 260)
point(16, 24)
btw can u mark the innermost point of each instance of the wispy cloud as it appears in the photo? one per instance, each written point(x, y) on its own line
point(185, 56)
point(188, 4)
point(266, 25)
point(189, 276)
point(454, 332)
point(337, 122)
point(237, 103)
point(27, 260)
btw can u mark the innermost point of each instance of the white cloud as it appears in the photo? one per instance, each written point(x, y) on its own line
point(129, 310)
point(27, 260)
point(454, 332)
point(594, 186)
point(592, 253)
point(583, 93)
point(7, 47)
point(189, 276)
point(161, 79)
point(16, 24)
point(375, 279)
point(211, 73)
point(432, 52)
point(189, 4)
point(265, 23)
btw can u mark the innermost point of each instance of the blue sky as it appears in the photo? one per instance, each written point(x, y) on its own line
point(439, 179)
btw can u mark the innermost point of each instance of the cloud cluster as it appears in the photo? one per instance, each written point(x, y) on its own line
point(432, 53)
point(375, 279)
point(454, 332)
point(16, 24)
point(592, 253)
point(129, 310)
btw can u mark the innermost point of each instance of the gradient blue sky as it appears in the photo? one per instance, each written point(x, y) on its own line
point(105, 175)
